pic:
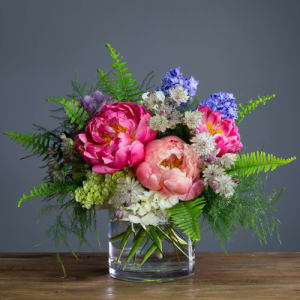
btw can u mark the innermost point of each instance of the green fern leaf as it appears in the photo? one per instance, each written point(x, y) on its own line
point(185, 215)
point(125, 87)
point(105, 82)
point(248, 107)
point(37, 143)
point(73, 110)
point(46, 189)
point(256, 162)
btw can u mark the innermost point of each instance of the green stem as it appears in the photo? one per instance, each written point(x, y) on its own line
point(148, 254)
point(124, 241)
point(117, 237)
point(138, 242)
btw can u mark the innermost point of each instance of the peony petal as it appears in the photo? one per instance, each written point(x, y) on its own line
point(196, 190)
point(137, 153)
point(104, 169)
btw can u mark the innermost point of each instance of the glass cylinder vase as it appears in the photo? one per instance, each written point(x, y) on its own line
point(148, 254)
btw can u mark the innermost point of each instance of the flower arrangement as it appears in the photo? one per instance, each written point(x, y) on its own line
point(158, 158)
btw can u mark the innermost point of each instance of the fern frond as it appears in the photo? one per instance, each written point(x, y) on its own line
point(256, 162)
point(185, 215)
point(37, 143)
point(125, 87)
point(73, 110)
point(105, 82)
point(248, 107)
point(46, 189)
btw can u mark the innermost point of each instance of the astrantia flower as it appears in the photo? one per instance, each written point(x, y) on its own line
point(224, 185)
point(223, 103)
point(211, 172)
point(224, 131)
point(128, 190)
point(159, 123)
point(178, 95)
point(175, 78)
point(94, 103)
point(204, 144)
point(228, 160)
point(153, 101)
point(192, 119)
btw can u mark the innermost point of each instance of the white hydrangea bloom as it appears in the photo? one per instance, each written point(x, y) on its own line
point(159, 123)
point(192, 119)
point(179, 95)
point(153, 100)
point(224, 185)
point(228, 160)
point(149, 208)
point(204, 144)
point(211, 172)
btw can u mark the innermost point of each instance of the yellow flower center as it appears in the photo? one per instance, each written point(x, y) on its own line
point(108, 137)
point(172, 162)
point(212, 130)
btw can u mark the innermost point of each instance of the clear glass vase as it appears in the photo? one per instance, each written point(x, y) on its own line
point(154, 254)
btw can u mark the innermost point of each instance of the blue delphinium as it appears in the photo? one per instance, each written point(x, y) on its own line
point(223, 103)
point(174, 78)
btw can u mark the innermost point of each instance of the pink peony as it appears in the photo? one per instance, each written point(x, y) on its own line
point(115, 137)
point(224, 131)
point(171, 167)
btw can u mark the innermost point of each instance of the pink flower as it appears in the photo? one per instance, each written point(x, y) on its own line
point(224, 131)
point(171, 167)
point(115, 137)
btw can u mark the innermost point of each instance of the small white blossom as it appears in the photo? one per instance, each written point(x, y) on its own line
point(192, 119)
point(153, 100)
point(128, 190)
point(149, 208)
point(211, 172)
point(204, 144)
point(173, 116)
point(159, 123)
point(228, 160)
point(179, 95)
point(224, 185)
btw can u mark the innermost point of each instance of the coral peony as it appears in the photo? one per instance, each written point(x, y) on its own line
point(171, 167)
point(115, 137)
point(224, 131)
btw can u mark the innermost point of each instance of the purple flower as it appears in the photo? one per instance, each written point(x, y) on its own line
point(93, 104)
point(174, 78)
point(223, 103)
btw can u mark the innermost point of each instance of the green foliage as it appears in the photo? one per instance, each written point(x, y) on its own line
point(123, 87)
point(71, 219)
point(105, 82)
point(46, 189)
point(248, 107)
point(73, 110)
point(256, 162)
point(185, 215)
point(250, 207)
point(35, 142)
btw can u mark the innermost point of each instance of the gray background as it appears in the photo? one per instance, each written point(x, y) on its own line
point(247, 47)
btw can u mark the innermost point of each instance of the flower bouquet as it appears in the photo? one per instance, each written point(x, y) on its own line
point(165, 164)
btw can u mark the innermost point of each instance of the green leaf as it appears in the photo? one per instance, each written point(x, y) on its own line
point(37, 143)
point(248, 107)
point(256, 162)
point(185, 215)
point(46, 189)
point(124, 87)
point(73, 110)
